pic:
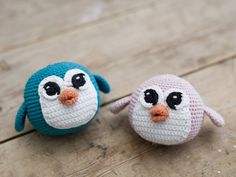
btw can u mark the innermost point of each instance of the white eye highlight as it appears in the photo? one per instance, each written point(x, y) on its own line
point(77, 78)
point(176, 99)
point(150, 96)
point(50, 87)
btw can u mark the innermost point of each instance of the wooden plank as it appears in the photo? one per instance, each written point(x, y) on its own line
point(39, 20)
point(212, 153)
point(108, 147)
point(178, 50)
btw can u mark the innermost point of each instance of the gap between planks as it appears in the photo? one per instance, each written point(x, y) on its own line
point(223, 60)
point(120, 164)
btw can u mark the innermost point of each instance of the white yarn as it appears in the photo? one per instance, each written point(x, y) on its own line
point(175, 129)
point(154, 87)
point(55, 79)
point(71, 73)
point(61, 116)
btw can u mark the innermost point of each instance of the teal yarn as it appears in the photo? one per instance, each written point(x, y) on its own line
point(20, 117)
point(105, 88)
point(32, 107)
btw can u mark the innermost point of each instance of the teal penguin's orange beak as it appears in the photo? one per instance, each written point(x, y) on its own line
point(68, 96)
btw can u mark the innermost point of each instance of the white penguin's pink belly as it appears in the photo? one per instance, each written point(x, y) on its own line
point(173, 131)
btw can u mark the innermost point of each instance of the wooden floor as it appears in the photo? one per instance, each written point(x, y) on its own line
point(127, 42)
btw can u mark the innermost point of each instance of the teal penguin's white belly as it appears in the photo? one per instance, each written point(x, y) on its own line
point(61, 116)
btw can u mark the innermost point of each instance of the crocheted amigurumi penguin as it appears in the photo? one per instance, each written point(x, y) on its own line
point(166, 110)
point(61, 98)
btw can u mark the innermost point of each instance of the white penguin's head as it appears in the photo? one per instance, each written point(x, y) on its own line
point(162, 116)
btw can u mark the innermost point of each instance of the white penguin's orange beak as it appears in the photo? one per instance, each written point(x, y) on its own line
point(68, 96)
point(159, 113)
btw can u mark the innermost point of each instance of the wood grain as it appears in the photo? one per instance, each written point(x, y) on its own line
point(108, 147)
point(29, 21)
point(180, 41)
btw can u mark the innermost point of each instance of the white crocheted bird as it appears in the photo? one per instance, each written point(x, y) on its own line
point(166, 110)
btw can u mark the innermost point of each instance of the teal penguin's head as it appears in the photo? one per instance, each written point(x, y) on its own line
point(61, 98)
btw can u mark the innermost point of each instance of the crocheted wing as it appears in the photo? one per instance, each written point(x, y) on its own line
point(102, 83)
point(120, 104)
point(215, 117)
point(20, 117)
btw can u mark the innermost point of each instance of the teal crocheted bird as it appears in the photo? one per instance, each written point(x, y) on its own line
point(61, 98)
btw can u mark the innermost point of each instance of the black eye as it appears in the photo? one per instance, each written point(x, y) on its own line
point(78, 80)
point(52, 88)
point(151, 96)
point(174, 99)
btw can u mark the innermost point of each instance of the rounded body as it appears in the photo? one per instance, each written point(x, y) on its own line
point(181, 125)
point(39, 107)
point(61, 98)
point(167, 110)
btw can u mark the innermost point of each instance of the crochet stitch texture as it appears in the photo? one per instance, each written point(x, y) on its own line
point(54, 110)
point(184, 119)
